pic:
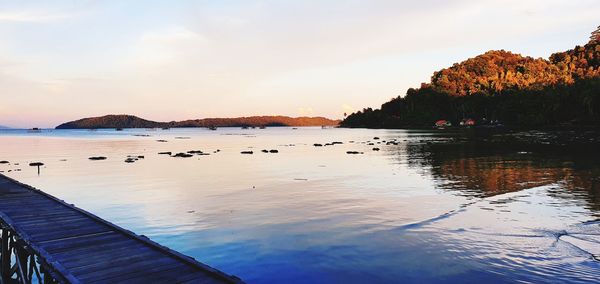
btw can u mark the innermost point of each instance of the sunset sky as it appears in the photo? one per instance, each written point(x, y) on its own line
point(174, 60)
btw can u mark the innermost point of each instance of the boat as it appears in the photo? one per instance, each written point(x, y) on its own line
point(34, 130)
point(212, 127)
point(262, 127)
point(119, 129)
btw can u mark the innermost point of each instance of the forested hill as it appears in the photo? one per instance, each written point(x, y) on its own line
point(130, 121)
point(519, 91)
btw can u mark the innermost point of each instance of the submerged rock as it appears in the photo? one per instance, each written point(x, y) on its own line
point(165, 153)
point(98, 158)
point(182, 155)
point(130, 160)
point(353, 152)
point(161, 140)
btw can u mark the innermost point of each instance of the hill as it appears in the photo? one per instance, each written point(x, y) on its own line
point(130, 121)
point(501, 86)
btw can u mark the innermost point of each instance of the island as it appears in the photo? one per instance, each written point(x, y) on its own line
point(130, 121)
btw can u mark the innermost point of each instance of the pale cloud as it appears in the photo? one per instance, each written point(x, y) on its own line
point(30, 16)
point(305, 111)
point(171, 35)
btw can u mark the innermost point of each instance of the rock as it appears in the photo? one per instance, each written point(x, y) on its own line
point(182, 155)
point(375, 149)
point(165, 153)
point(161, 140)
point(4, 162)
point(375, 138)
point(247, 152)
point(318, 145)
point(140, 157)
point(353, 152)
point(98, 158)
point(336, 143)
point(195, 152)
point(265, 151)
point(370, 144)
point(129, 160)
point(274, 151)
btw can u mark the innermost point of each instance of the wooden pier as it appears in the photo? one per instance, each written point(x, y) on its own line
point(45, 240)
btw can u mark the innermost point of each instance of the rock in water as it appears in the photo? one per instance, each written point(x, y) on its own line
point(98, 158)
point(182, 155)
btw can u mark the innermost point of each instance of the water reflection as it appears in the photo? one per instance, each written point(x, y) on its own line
point(478, 169)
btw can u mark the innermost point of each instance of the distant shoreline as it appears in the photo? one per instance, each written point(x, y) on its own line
point(130, 121)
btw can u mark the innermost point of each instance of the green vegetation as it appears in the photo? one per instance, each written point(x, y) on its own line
point(500, 86)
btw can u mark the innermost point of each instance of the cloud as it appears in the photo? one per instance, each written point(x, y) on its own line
point(170, 35)
point(30, 17)
point(305, 111)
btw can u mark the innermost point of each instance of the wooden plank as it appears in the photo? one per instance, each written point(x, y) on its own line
point(133, 269)
point(81, 241)
point(97, 262)
point(42, 237)
point(124, 245)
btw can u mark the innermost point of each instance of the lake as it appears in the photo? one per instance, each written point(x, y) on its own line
point(429, 206)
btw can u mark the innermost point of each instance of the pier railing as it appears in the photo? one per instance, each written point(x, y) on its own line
point(19, 263)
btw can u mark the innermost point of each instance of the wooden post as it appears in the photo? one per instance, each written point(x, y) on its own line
point(5, 257)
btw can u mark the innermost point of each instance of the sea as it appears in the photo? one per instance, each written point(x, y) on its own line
point(334, 205)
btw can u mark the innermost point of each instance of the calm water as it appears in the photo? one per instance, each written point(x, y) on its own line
point(435, 207)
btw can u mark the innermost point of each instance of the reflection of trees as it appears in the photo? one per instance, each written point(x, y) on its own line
point(485, 169)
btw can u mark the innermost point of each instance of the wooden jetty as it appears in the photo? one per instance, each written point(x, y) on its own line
point(45, 240)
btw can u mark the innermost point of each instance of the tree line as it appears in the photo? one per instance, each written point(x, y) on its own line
point(500, 86)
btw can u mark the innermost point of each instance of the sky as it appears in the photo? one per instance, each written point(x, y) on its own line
point(175, 60)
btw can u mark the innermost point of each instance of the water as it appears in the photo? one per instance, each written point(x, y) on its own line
point(435, 207)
